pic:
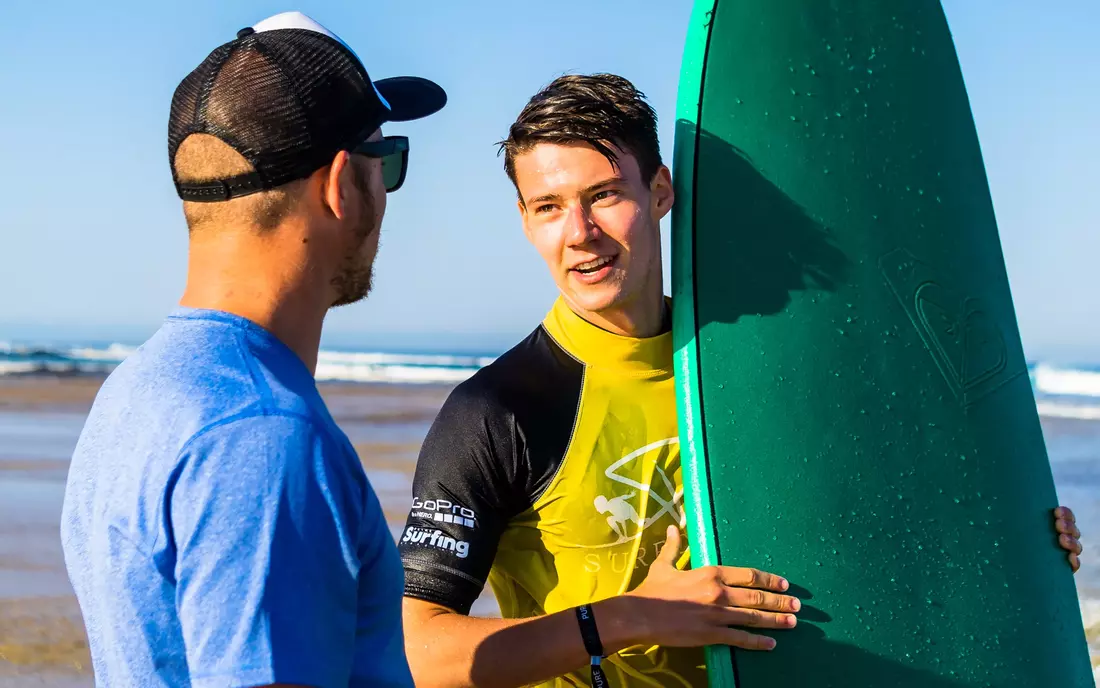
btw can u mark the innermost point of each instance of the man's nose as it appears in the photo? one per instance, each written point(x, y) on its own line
point(582, 227)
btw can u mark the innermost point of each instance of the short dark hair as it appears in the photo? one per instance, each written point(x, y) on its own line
point(596, 109)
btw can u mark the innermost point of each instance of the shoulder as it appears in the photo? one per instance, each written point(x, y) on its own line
point(259, 426)
point(520, 382)
point(274, 450)
point(201, 369)
point(510, 423)
point(206, 371)
point(495, 445)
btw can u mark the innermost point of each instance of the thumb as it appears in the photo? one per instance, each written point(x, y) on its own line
point(671, 549)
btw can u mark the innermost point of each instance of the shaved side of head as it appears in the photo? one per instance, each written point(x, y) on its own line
point(201, 158)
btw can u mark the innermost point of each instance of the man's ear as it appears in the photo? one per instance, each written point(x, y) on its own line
point(336, 184)
point(661, 192)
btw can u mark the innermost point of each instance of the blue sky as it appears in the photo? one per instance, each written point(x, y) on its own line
point(95, 245)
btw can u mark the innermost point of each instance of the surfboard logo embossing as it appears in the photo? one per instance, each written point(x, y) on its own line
point(964, 340)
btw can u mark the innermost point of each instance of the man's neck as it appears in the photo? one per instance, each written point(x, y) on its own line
point(645, 318)
point(279, 300)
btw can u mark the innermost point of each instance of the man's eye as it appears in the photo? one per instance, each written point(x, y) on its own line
point(545, 208)
point(606, 193)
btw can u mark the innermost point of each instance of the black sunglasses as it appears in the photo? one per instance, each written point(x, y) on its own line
point(394, 151)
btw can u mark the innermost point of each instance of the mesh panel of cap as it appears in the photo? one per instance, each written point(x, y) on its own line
point(286, 100)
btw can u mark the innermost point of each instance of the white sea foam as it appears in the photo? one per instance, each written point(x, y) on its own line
point(1062, 391)
point(115, 352)
point(1053, 380)
point(377, 358)
point(1053, 409)
point(390, 373)
point(346, 366)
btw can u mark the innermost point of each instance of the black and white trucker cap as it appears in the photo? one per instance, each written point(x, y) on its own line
point(287, 94)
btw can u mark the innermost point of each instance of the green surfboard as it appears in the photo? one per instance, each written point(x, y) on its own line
point(854, 407)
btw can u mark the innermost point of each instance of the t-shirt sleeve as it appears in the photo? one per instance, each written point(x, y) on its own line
point(465, 491)
point(265, 515)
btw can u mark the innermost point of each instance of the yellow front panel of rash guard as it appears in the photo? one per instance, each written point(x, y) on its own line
point(602, 520)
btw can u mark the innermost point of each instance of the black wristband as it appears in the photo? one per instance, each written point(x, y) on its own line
point(589, 633)
point(592, 645)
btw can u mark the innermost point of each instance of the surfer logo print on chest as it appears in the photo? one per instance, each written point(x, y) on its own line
point(621, 512)
point(622, 515)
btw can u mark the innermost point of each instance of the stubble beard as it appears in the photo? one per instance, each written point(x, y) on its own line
point(353, 284)
point(355, 278)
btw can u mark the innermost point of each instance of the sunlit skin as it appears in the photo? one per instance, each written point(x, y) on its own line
point(1068, 535)
point(353, 281)
point(577, 208)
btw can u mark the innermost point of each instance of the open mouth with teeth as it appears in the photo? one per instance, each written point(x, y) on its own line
point(594, 266)
point(594, 271)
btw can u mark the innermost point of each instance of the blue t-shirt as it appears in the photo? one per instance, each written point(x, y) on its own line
point(218, 527)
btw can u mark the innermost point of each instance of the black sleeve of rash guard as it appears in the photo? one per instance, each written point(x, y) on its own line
point(495, 446)
point(465, 491)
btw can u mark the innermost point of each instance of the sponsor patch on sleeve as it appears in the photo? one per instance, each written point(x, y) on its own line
point(429, 537)
point(443, 511)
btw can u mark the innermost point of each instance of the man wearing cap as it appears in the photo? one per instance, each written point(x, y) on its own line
point(218, 527)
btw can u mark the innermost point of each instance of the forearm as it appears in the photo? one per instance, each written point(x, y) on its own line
point(448, 650)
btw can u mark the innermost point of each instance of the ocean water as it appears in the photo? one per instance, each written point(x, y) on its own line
point(1061, 390)
point(332, 365)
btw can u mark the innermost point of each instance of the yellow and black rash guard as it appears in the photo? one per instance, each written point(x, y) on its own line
point(552, 475)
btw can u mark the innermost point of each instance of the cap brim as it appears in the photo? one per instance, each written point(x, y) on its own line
point(411, 97)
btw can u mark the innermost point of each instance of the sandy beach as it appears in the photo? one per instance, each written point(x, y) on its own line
point(42, 641)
